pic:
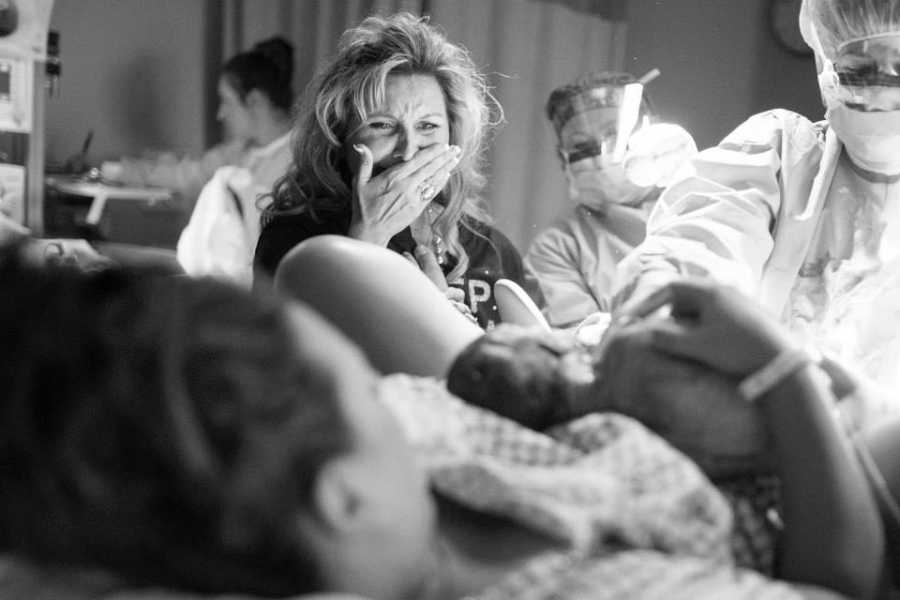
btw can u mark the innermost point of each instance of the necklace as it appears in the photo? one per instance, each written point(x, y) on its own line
point(437, 240)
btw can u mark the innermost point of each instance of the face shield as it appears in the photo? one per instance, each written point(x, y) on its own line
point(857, 49)
point(864, 75)
point(593, 127)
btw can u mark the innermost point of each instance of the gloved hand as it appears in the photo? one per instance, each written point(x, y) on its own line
point(658, 153)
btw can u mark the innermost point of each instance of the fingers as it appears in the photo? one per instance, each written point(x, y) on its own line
point(640, 307)
point(439, 180)
point(464, 310)
point(429, 265)
point(687, 297)
point(455, 294)
point(427, 262)
point(684, 335)
point(386, 203)
point(437, 171)
point(366, 163)
point(692, 297)
point(677, 338)
point(431, 157)
point(432, 166)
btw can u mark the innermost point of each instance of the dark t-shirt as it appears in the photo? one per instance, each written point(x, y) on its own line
point(491, 255)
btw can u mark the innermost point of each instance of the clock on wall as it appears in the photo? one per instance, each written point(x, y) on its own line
point(784, 21)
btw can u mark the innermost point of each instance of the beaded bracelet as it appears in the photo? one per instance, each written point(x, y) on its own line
point(784, 364)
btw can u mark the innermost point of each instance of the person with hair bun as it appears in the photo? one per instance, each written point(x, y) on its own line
point(255, 97)
point(388, 149)
point(255, 104)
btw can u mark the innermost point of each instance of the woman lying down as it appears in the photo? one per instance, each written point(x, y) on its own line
point(181, 436)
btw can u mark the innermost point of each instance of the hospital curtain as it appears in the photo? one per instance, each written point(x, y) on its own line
point(527, 47)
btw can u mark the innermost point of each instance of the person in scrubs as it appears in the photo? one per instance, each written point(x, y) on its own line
point(803, 216)
point(614, 162)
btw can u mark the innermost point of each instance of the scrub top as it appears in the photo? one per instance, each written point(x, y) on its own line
point(574, 261)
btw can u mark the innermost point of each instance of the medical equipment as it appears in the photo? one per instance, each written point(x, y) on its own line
point(81, 207)
point(516, 306)
point(23, 52)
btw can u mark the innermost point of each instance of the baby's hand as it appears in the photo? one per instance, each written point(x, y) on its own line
point(426, 260)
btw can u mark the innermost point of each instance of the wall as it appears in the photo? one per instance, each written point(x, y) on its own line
point(719, 63)
point(132, 72)
point(529, 48)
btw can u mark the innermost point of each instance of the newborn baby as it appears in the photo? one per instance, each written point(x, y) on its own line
point(542, 379)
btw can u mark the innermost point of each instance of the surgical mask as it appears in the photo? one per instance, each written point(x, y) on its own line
point(872, 138)
point(598, 186)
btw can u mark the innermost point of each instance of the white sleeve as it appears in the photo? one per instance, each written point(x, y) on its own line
point(214, 243)
point(717, 220)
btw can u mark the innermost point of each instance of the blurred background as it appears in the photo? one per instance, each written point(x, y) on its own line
point(142, 75)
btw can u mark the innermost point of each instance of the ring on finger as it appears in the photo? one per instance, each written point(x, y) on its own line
point(426, 190)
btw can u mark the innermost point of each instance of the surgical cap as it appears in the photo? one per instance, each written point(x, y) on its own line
point(827, 24)
point(595, 90)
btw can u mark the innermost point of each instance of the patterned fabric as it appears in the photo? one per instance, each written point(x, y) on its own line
point(634, 574)
point(641, 520)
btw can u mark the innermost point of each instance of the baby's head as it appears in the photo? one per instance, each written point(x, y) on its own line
point(531, 376)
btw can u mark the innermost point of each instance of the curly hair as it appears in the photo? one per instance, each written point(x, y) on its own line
point(160, 428)
point(353, 85)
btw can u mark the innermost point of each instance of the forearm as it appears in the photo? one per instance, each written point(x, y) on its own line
point(567, 303)
point(359, 231)
point(832, 535)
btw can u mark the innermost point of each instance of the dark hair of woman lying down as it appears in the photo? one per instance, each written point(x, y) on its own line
point(150, 426)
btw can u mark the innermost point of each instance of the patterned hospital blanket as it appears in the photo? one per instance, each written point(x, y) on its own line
point(642, 521)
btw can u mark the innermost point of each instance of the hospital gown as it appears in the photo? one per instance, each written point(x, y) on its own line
point(574, 261)
point(640, 519)
point(846, 299)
